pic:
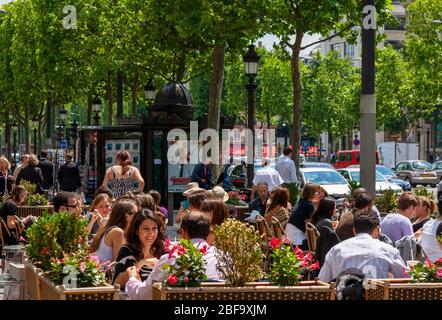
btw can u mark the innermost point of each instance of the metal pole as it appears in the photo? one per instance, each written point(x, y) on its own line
point(368, 98)
point(251, 124)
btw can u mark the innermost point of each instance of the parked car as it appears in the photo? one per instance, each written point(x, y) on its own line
point(315, 165)
point(417, 172)
point(346, 158)
point(238, 173)
point(354, 174)
point(335, 185)
point(437, 166)
point(391, 176)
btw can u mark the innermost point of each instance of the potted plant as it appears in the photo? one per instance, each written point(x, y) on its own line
point(386, 202)
point(425, 284)
point(239, 259)
point(59, 265)
point(35, 204)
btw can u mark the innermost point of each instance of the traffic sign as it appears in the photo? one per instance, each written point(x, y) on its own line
point(356, 142)
point(305, 145)
point(63, 144)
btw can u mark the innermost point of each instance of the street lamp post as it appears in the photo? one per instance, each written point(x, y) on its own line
point(35, 122)
point(14, 128)
point(427, 131)
point(74, 135)
point(96, 107)
point(251, 61)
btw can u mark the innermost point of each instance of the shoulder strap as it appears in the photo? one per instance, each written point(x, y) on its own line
point(113, 172)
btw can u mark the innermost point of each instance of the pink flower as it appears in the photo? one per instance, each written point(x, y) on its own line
point(299, 252)
point(275, 243)
point(82, 267)
point(95, 259)
point(438, 262)
point(315, 266)
point(22, 239)
point(307, 258)
point(186, 279)
point(172, 279)
point(286, 240)
point(439, 273)
point(168, 246)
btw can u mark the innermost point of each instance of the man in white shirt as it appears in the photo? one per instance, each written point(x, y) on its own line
point(268, 175)
point(286, 166)
point(374, 258)
point(195, 227)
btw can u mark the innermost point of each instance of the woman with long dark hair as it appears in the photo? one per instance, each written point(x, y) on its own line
point(121, 177)
point(143, 248)
point(108, 241)
point(11, 224)
point(325, 212)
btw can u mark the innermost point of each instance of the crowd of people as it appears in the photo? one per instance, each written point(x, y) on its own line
point(127, 227)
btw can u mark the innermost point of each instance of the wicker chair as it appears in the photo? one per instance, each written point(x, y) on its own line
point(262, 227)
point(312, 237)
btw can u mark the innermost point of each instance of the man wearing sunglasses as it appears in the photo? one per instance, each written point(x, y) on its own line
point(65, 201)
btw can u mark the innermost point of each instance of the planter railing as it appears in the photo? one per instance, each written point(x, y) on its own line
point(32, 281)
point(306, 290)
point(49, 291)
point(402, 289)
point(24, 211)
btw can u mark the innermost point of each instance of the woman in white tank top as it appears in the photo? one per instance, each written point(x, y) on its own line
point(108, 241)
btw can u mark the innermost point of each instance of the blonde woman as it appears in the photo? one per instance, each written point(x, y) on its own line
point(6, 177)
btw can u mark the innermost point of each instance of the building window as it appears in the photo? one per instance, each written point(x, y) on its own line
point(337, 47)
point(349, 50)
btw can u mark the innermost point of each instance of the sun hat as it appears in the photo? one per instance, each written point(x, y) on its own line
point(219, 192)
point(190, 188)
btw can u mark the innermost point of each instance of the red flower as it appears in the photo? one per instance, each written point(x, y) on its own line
point(428, 262)
point(186, 279)
point(315, 266)
point(286, 240)
point(439, 273)
point(203, 250)
point(172, 279)
point(438, 262)
point(308, 257)
point(275, 243)
point(305, 263)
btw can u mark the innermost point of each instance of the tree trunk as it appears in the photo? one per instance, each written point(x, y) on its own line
point(27, 130)
point(216, 86)
point(134, 91)
point(52, 128)
point(297, 99)
point(89, 110)
point(7, 135)
point(120, 111)
point(110, 101)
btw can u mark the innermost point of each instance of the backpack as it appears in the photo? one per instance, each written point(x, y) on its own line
point(349, 285)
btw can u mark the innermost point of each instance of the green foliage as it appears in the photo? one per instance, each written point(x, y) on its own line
point(189, 267)
point(428, 272)
point(36, 200)
point(53, 236)
point(288, 265)
point(80, 265)
point(30, 187)
point(294, 191)
point(423, 192)
point(386, 202)
point(239, 256)
point(353, 186)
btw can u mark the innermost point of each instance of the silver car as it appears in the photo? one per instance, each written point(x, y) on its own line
point(417, 172)
point(437, 166)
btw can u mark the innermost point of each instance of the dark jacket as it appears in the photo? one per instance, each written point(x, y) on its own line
point(69, 176)
point(47, 169)
point(198, 175)
point(303, 211)
point(32, 174)
point(8, 183)
point(327, 240)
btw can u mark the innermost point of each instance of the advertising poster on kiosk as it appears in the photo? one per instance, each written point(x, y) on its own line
point(179, 168)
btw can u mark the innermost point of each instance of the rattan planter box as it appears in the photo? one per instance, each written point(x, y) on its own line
point(402, 289)
point(306, 290)
point(32, 281)
point(24, 211)
point(48, 291)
